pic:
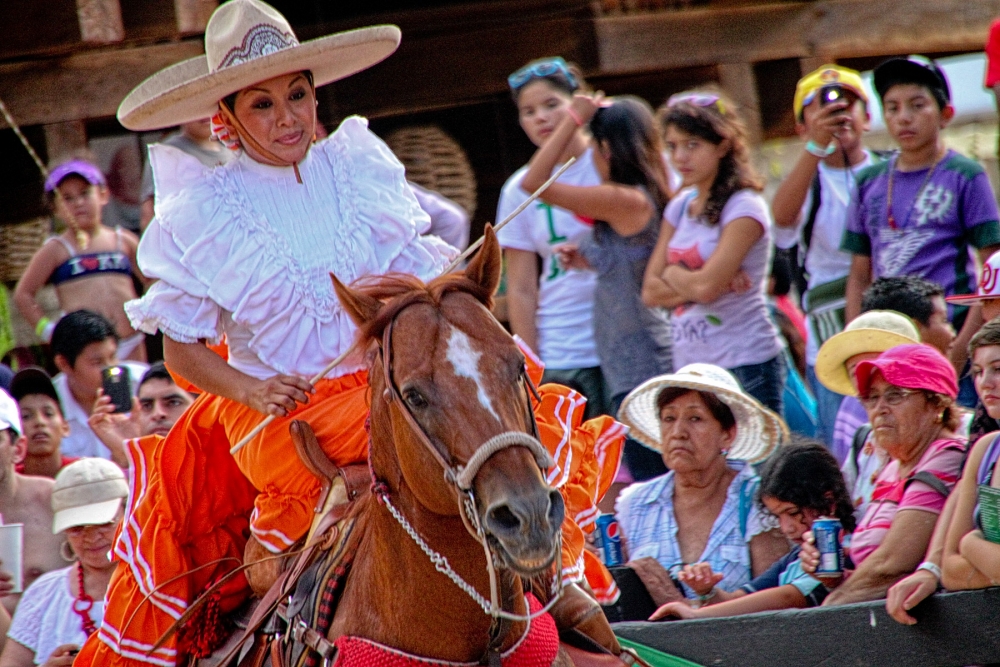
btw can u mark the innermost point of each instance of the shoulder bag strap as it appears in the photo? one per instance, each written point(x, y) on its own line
point(860, 436)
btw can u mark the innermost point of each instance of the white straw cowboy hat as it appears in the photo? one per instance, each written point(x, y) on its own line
point(874, 331)
point(246, 42)
point(88, 492)
point(758, 430)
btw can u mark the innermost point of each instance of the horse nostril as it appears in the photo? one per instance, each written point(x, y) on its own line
point(503, 519)
point(556, 509)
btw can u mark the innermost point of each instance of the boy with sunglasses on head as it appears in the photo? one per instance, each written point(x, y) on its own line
point(810, 207)
point(925, 210)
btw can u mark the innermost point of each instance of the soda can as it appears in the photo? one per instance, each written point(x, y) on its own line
point(609, 538)
point(831, 554)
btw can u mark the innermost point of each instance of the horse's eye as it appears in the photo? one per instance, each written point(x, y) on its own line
point(414, 399)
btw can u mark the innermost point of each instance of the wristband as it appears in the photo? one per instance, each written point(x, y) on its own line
point(44, 329)
point(820, 151)
point(575, 116)
point(705, 598)
point(931, 567)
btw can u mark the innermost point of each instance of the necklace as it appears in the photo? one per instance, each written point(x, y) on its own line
point(83, 604)
point(920, 192)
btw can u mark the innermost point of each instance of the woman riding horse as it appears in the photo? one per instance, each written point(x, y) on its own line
point(244, 251)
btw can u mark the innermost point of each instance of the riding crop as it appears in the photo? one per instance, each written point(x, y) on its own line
point(458, 260)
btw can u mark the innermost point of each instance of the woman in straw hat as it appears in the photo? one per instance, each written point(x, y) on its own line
point(245, 251)
point(62, 608)
point(703, 511)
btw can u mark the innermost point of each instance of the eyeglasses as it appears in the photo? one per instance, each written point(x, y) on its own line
point(703, 100)
point(892, 398)
point(540, 70)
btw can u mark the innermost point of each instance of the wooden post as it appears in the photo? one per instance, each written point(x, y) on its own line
point(740, 82)
point(100, 21)
point(813, 63)
point(64, 139)
point(192, 15)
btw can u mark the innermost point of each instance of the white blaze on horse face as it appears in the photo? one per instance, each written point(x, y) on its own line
point(466, 363)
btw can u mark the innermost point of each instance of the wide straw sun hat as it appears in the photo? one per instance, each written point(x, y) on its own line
point(758, 430)
point(874, 331)
point(246, 42)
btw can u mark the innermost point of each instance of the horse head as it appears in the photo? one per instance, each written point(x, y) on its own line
point(447, 385)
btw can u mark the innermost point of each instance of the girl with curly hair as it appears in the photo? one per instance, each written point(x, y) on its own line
point(712, 258)
point(799, 484)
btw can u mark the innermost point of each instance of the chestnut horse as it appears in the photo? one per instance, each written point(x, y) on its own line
point(447, 385)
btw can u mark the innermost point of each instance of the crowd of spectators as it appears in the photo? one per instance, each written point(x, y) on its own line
point(644, 281)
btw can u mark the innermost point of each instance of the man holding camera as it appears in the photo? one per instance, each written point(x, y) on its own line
point(811, 205)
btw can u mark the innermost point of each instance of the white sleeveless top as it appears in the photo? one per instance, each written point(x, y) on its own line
point(246, 251)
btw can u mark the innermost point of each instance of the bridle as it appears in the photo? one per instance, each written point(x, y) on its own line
point(461, 478)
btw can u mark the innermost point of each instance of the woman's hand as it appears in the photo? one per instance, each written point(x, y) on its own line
point(699, 578)
point(907, 593)
point(681, 610)
point(63, 656)
point(278, 395)
point(584, 106)
point(809, 558)
point(570, 257)
point(6, 582)
point(741, 283)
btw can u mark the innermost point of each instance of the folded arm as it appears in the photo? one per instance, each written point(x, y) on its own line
point(712, 280)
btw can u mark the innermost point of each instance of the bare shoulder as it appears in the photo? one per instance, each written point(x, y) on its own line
point(37, 489)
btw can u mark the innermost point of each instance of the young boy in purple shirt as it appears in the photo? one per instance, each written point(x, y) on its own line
point(923, 211)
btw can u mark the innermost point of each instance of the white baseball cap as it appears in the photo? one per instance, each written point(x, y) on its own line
point(989, 284)
point(10, 415)
point(87, 492)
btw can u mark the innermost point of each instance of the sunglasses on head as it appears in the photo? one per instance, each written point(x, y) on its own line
point(703, 100)
point(540, 70)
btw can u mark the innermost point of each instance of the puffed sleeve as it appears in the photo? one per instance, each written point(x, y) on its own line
point(178, 303)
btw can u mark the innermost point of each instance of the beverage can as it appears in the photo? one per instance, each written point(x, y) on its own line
point(831, 554)
point(610, 540)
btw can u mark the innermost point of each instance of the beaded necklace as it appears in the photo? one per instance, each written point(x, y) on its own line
point(83, 604)
point(920, 192)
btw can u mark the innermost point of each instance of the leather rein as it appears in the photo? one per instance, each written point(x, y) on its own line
point(461, 478)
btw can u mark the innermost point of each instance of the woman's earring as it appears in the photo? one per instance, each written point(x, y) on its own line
point(66, 552)
point(724, 452)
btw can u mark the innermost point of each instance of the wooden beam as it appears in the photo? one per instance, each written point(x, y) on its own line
point(86, 85)
point(824, 28)
point(739, 81)
point(100, 21)
point(812, 63)
point(192, 15)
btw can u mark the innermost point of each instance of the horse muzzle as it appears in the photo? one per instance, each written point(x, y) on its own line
point(524, 530)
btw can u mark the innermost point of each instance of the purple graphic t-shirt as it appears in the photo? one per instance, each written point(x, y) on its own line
point(936, 227)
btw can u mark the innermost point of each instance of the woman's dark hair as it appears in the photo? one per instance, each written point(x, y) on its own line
point(988, 334)
point(805, 474)
point(716, 123)
point(719, 410)
point(230, 100)
point(628, 130)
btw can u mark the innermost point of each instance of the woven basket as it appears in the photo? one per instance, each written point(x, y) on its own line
point(18, 244)
point(434, 160)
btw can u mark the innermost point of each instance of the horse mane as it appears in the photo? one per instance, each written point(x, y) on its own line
point(399, 290)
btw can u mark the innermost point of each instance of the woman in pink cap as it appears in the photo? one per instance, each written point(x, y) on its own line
point(90, 265)
point(909, 393)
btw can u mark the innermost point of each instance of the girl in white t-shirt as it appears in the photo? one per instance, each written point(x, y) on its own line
point(550, 307)
point(713, 255)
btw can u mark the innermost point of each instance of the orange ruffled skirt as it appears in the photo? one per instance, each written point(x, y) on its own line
point(193, 506)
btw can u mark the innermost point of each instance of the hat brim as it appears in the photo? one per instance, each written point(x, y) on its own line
point(897, 68)
point(970, 299)
point(758, 430)
point(187, 91)
point(94, 514)
point(834, 353)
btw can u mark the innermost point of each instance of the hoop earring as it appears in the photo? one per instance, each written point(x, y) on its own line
point(68, 556)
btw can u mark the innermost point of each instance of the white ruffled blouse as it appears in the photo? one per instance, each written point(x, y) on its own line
point(246, 251)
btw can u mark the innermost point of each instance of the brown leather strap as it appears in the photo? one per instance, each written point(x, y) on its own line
point(277, 660)
point(257, 654)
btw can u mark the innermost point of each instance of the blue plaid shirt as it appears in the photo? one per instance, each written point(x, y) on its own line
point(645, 512)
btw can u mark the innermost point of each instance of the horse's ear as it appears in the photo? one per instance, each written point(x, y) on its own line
point(361, 307)
point(485, 267)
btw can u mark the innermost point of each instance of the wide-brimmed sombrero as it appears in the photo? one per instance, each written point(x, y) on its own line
point(874, 331)
point(758, 430)
point(246, 42)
